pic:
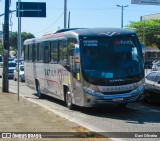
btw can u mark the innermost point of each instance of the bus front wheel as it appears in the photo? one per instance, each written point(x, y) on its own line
point(122, 105)
point(68, 99)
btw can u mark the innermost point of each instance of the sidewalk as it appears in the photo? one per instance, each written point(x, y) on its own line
point(24, 116)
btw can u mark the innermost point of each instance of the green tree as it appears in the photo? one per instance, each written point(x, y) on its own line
point(14, 39)
point(148, 31)
point(1, 48)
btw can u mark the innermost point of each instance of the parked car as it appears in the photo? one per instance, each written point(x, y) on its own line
point(148, 64)
point(1, 59)
point(1, 69)
point(152, 87)
point(11, 59)
point(21, 60)
point(11, 67)
point(21, 73)
point(156, 66)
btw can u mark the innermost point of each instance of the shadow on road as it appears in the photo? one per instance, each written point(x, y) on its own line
point(135, 113)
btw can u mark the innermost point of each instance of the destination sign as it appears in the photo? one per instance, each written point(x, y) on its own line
point(88, 43)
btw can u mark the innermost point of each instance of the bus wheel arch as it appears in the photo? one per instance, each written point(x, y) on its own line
point(39, 94)
point(68, 98)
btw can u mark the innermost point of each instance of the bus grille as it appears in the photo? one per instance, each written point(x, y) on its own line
point(111, 93)
point(126, 100)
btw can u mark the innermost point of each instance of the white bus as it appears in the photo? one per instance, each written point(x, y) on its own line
point(56, 65)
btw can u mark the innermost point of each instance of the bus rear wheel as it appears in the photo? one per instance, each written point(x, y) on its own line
point(68, 99)
point(39, 94)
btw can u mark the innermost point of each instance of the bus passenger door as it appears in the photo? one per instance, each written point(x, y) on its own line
point(74, 63)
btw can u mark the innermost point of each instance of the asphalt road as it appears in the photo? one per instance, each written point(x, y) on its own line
point(136, 117)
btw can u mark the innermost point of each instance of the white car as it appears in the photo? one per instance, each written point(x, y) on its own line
point(1, 69)
point(21, 73)
point(152, 87)
point(21, 60)
point(11, 67)
point(156, 66)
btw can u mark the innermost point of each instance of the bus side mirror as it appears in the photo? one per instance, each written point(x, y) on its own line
point(143, 48)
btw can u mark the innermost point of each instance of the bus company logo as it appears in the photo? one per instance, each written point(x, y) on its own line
point(6, 135)
point(109, 33)
point(123, 42)
point(60, 74)
point(117, 42)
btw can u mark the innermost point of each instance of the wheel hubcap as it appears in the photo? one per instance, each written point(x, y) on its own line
point(68, 98)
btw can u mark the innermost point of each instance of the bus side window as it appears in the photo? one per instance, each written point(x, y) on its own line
point(73, 64)
point(40, 52)
point(62, 54)
point(30, 52)
point(70, 46)
point(37, 52)
point(54, 51)
point(26, 52)
point(71, 60)
point(34, 52)
point(46, 52)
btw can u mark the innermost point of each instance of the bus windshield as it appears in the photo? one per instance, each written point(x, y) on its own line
point(111, 58)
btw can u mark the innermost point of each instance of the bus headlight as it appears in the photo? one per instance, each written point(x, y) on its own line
point(138, 84)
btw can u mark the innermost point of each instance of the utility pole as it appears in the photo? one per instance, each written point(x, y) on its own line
point(69, 19)
point(122, 8)
point(5, 87)
point(65, 13)
point(19, 43)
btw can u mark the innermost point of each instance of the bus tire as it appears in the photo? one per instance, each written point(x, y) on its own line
point(68, 100)
point(39, 94)
point(122, 105)
point(147, 97)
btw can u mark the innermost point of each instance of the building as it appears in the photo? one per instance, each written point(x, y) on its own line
point(152, 54)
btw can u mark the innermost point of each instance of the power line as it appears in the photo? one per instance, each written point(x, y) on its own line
point(50, 24)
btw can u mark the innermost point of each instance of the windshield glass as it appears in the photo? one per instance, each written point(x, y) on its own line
point(12, 64)
point(111, 57)
point(1, 58)
point(21, 68)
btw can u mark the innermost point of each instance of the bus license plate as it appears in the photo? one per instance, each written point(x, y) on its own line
point(117, 99)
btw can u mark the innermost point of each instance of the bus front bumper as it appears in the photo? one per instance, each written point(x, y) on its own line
point(93, 98)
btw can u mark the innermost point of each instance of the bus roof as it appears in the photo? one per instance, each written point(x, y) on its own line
point(102, 31)
point(110, 32)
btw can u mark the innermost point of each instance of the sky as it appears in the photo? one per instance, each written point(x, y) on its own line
point(83, 13)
